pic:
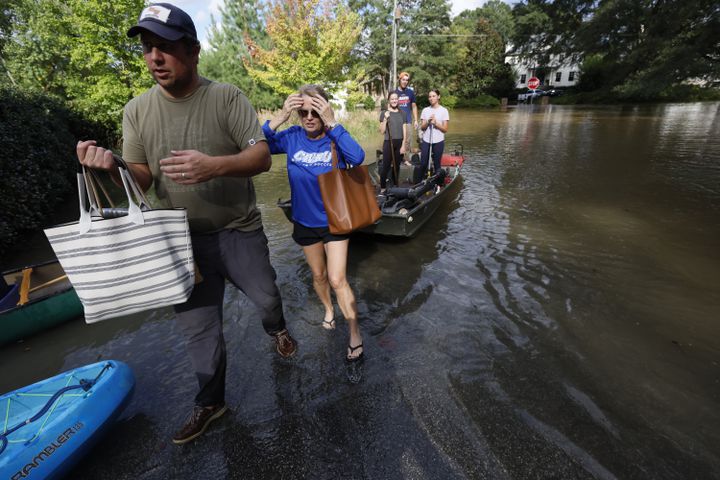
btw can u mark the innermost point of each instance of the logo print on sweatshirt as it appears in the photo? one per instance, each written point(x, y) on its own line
point(312, 159)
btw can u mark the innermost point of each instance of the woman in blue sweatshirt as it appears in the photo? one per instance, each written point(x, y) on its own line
point(309, 155)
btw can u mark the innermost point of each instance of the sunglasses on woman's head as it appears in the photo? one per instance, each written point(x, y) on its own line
point(304, 113)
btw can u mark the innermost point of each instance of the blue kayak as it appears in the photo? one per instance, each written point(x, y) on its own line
point(46, 427)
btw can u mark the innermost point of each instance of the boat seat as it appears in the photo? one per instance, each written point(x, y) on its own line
point(408, 174)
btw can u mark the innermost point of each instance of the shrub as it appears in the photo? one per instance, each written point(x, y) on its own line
point(360, 99)
point(37, 160)
point(368, 103)
point(481, 101)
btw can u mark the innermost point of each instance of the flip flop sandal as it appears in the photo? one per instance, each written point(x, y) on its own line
point(329, 325)
point(359, 358)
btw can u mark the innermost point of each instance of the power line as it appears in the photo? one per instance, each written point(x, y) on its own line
point(441, 35)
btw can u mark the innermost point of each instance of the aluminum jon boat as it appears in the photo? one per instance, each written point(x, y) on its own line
point(407, 207)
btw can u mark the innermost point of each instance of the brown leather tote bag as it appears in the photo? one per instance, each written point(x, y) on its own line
point(348, 196)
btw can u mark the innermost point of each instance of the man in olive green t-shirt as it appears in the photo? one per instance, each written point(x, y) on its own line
point(199, 143)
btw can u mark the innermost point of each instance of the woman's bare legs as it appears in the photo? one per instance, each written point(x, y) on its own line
point(337, 253)
point(315, 257)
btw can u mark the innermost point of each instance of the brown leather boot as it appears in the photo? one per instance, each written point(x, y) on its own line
point(286, 345)
point(198, 421)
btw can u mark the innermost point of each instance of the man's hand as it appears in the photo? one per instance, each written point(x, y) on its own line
point(92, 156)
point(188, 167)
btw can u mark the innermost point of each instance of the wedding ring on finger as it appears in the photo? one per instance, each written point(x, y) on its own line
point(183, 175)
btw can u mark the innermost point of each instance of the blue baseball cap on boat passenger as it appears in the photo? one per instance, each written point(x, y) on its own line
point(166, 21)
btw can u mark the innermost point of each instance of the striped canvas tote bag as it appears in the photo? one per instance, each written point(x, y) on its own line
point(134, 262)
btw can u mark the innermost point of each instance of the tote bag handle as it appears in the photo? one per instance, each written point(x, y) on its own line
point(88, 200)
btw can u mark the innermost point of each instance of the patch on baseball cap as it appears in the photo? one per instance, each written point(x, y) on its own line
point(165, 20)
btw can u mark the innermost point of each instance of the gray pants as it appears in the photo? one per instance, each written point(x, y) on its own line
point(243, 259)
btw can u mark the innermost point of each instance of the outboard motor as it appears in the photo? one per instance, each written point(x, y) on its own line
point(415, 192)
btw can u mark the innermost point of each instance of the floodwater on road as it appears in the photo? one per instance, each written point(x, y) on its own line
point(557, 318)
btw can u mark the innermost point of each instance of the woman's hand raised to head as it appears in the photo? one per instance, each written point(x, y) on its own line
point(292, 103)
point(324, 109)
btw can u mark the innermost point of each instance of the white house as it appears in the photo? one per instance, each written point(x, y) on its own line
point(561, 71)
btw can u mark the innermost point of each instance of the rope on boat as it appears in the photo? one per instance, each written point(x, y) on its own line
point(83, 383)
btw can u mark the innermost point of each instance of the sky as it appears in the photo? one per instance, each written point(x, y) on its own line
point(201, 11)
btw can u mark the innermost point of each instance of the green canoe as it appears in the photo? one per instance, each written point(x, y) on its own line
point(37, 297)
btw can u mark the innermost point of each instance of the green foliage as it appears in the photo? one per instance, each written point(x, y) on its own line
point(424, 44)
point(436, 51)
point(635, 50)
point(359, 99)
point(225, 60)
point(312, 41)
point(7, 18)
point(368, 102)
point(37, 161)
point(481, 101)
point(593, 73)
point(447, 100)
point(483, 63)
point(77, 51)
point(373, 51)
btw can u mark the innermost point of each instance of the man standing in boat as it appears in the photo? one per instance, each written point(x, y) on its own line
point(406, 103)
point(199, 143)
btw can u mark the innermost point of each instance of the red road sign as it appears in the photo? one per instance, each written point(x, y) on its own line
point(533, 83)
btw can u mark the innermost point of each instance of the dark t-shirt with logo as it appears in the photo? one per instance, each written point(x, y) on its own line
point(406, 97)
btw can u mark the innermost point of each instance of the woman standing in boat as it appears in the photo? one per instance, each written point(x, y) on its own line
point(392, 126)
point(308, 148)
point(434, 126)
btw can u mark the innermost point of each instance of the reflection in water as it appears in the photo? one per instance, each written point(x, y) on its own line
point(557, 318)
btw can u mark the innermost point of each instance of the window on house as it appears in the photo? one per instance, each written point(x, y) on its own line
point(522, 78)
point(558, 76)
point(571, 77)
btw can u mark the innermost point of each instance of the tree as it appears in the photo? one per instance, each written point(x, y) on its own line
point(425, 44)
point(373, 51)
point(312, 41)
point(225, 60)
point(639, 49)
point(7, 19)
point(649, 46)
point(77, 51)
point(483, 65)
point(498, 14)
point(483, 34)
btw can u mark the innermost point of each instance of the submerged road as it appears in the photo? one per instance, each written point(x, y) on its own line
point(557, 318)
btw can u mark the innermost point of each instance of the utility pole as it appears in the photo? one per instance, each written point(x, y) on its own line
point(393, 73)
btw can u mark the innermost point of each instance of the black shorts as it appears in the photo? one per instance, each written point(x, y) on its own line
point(306, 236)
